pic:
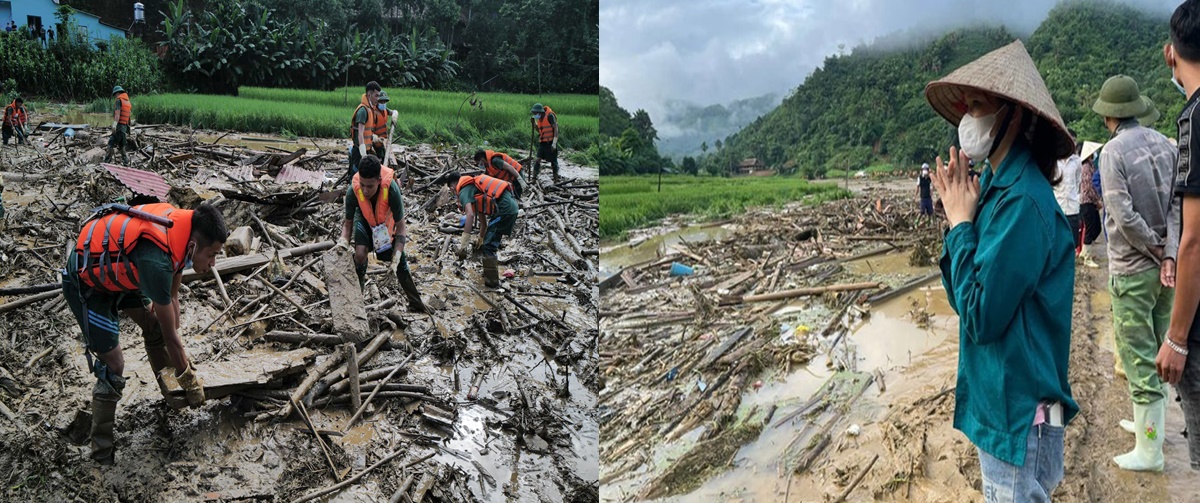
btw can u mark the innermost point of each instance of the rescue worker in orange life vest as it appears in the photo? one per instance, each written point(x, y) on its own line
point(16, 121)
point(500, 165)
point(545, 125)
point(375, 215)
point(130, 264)
point(482, 198)
point(120, 125)
point(381, 126)
point(366, 120)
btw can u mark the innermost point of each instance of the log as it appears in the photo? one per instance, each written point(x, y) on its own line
point(366, 377)
point(800, 292)
point(303, 338)
point(4, 308)
point(247, 262)
point(345, 297)
point(221, 288)
point(239, 241)
point(22, 290)
point(328, 380)
point(334, 488)
point(902, 289)
point(307, 384)
point(283, 294)
point(356, 393)
point(564, 250)
point(857, 480)
point(345, 399)
point(352, 375)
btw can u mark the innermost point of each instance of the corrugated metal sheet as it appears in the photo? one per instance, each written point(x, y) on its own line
point(141, 182)
point(293, 174)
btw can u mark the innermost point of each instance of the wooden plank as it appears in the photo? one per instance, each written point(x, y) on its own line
point(248, 369)
point(345, 296)
point(729, 343)
point(246, 262)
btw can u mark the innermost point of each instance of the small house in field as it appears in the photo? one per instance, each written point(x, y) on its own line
point(752, 166)
point(36, 14)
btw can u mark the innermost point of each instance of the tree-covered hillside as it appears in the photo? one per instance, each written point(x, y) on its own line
point(627, 141)
point(868, 107)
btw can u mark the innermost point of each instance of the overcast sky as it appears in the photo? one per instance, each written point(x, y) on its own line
point(716, 51)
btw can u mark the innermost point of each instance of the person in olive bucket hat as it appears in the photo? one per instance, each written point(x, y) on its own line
point(1151, 115)
point(1137, 172)
point(1012, 398)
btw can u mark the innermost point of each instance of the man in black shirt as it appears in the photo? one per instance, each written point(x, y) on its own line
point(923, 192)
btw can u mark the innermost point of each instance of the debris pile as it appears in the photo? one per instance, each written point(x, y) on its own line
point(685, 336)
point(312, 382)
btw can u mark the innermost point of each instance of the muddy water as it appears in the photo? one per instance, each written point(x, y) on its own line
point(888, 339)
point(619, 255)
point(91, 119)
point(254, 142)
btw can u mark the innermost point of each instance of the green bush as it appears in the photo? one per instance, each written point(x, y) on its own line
point(74, 70)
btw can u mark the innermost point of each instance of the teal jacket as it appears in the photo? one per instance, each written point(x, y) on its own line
point(1010, 276)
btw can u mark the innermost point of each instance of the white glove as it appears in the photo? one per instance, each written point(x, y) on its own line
point(342, 245)
point(395, 114)
point(362, 150)
point(115, 124)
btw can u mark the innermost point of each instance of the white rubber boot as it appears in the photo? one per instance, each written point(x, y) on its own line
point(1147, 455)
point(1086, 256)
point(1128, 426)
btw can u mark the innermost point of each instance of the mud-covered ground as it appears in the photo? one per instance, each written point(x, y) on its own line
point(896, 432)
point(530, 434)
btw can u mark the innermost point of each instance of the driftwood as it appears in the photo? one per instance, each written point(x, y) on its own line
point(22, 290)
point(306, 385)
point(857, 480)
point(29, 300)
point(334, 488)
point(345, 296)
point(363, 358)
point(799, 292)
point(247, 262)
point(352, 375)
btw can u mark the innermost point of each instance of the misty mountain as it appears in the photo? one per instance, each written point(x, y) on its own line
point(686, 126)
point(867, 106)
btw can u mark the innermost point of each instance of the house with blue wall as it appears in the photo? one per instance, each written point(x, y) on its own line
point(35, 13)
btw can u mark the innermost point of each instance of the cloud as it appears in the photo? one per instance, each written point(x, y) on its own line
point(717, 51)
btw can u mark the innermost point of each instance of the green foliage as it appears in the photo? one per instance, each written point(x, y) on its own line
point(689, 165)
point(629, 202)
point(835, 173)
point(72, 69)
point(631, 149)
point(522, 46)
point(424, 116)
point(232, 44)
point(868, 107)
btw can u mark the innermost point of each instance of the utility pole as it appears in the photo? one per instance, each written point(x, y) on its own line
point(660, 176)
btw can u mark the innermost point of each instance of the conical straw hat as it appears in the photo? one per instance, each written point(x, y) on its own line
point(1089, 148)
point(1008, 72)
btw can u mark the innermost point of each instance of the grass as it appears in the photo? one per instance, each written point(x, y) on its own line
point(629, 202)
point(425, 116)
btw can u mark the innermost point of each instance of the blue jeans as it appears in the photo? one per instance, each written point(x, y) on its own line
point(1043, 470)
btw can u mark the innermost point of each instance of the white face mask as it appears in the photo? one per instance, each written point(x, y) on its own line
point(975, 135)
point(1178, 85)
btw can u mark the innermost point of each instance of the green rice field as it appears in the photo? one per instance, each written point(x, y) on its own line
point(630, 202)
point(425, 116)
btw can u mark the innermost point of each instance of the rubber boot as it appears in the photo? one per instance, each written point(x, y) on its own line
point(491, 276)
point(108, 154)
point(1147, 454)
point(404, 276)
point(104, 416)
point(361, 271)
point(1086, 257)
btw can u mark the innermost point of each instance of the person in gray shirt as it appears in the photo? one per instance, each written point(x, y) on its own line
point(1137, 172)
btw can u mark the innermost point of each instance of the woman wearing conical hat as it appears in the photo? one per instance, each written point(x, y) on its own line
point(1008, 265)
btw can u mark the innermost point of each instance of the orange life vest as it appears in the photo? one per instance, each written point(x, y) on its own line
point(382, 212)
point(500, 173)
point(545, 129)
point(126, 107)
point(487, 191)
point(102, 250)
point(14, 114)
point(379, 125)
point(369, 127)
